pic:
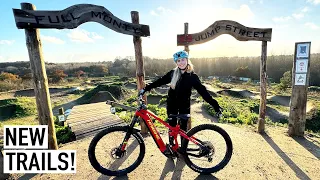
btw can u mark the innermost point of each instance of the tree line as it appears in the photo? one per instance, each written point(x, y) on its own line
point(248, 67)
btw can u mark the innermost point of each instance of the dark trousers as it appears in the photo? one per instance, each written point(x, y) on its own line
point(171, 109)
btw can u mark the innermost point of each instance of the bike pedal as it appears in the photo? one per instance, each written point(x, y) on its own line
point(169, 153)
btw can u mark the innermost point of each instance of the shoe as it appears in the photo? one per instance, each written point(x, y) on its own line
point(169, 153)
point(171, 141)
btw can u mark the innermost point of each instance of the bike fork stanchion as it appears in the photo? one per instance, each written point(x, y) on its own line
point(128, 134)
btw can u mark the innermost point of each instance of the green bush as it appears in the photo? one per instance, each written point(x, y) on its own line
point(126, 116)
point(132, 99)
point(235, 111)
point(285, 81)
point(163, 101)
point(24, 106)
point(313, 120)
point(64, 134)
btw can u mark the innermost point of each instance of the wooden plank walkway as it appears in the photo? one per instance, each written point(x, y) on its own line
point(89, 119)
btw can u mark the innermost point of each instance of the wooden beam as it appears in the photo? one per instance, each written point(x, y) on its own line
point(238, 31)
point(139, 65)
point(74, 16)
point(300, 83)
point(263, 88)
point(40, 80)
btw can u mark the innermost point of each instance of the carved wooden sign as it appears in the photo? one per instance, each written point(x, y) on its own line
point(74, 16)
point(238, 31)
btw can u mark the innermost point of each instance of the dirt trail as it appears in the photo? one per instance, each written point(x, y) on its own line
point(270, 156)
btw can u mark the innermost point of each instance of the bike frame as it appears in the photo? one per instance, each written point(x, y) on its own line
point(145, 115)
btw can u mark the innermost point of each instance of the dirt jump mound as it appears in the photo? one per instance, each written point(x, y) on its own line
point(131, 86)
point(154, 99)
point(228, 92)
point(102, 96)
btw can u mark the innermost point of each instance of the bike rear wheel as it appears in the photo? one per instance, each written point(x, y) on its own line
point(216, 154)
point(106, 156)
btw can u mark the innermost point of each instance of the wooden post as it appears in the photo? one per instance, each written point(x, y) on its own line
point(139, 65)
point(263, 87)
point(40, 80)
point(186, 48)
point(300, 83)
point(61, 112)
point(186, 27)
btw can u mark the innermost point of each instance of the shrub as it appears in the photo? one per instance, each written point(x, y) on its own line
point(285, 81)
point(162, 101)
point(24, 106)
point(64, 134)
point(5, 86)
point(313, 120)
point(235, 111)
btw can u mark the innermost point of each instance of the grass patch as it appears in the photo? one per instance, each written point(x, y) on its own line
point(63, 133)
point(65, 99)
point(18, 107)
point(235, 111)
point(277, 106)
point(29, 120)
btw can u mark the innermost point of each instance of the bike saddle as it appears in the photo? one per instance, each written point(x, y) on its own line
point(180, 116)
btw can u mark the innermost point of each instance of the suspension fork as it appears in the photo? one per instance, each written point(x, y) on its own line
point(129, 132)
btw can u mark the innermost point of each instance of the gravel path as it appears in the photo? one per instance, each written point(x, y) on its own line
point(273, 155)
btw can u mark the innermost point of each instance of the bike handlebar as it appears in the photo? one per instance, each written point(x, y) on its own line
point(140, 99)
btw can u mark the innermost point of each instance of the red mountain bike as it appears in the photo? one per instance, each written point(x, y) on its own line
point(118, 150)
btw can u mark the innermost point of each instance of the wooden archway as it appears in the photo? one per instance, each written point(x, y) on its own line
point(30, 19)
point(241, 33)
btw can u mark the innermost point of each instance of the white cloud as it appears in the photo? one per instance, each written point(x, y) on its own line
point(245, 11)
point(164, 10)
point(52, 39)
point(153, 13)
point(298, 15)
point(7, 42)
point(281, 26)
point(281, 19)
point(305, 9)
point(161, 11)
point(315, 2)
point(81, 35)
point(253, 1)
point(312, 25)
point(96, 36)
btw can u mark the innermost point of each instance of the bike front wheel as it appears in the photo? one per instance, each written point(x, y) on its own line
point(212, 152)
point(108, 158)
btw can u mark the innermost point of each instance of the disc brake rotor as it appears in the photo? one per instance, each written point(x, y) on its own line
point(116, 153)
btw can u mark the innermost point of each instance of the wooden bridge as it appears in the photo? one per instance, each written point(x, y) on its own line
point(89, 119)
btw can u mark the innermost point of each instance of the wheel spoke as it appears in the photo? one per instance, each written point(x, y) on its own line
point(211, 155)
point(104, 151)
